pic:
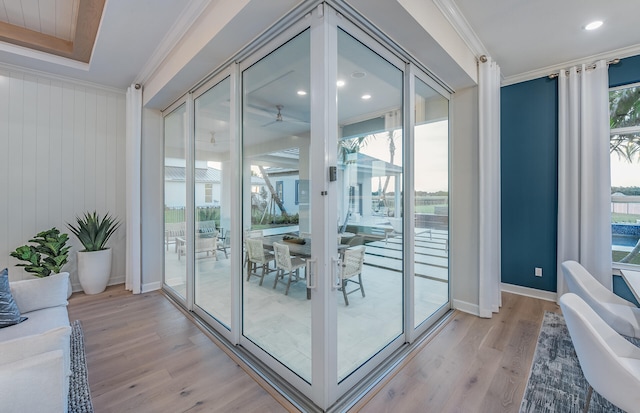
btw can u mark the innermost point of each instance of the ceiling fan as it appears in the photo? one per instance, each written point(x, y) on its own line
point(278, 116)
point(288, 119)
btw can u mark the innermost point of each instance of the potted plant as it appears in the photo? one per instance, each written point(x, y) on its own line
point(94, 261)
point(47, 256)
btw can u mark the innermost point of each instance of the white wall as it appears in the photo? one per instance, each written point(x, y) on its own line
point(62, 153)
point(464, 201)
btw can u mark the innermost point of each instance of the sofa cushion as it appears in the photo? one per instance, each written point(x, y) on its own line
point(9, 310)
point(40, 321)
point(41, 293)
point(30, 345)
point(29, 385)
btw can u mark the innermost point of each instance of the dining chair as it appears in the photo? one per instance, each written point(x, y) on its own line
point(610, 363)
point(286, 263)
point(622, 315)
point(352, 262)
point(224, 242)
point(256, 256)
point(257, 233)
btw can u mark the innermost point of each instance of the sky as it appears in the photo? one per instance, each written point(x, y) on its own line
point(431, 169)
point(624, 173)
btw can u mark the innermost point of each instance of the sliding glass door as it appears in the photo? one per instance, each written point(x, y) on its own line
point(175, 201)
point(306, 204)
point(431, 202)
point(276, 304)
point(212, 174)
point(370, 294)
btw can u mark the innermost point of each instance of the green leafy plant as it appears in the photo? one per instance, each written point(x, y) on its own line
point(47, 256)
point(93, 231)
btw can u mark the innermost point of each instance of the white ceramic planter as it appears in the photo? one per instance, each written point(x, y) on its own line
point(94, 269)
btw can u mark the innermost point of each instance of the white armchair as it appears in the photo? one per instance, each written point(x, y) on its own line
point(609, 362)
point(620, 314)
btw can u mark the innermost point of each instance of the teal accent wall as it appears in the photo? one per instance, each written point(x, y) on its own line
point(528, 161)
point(529, 138)
point(625, 72)
point(621, 288)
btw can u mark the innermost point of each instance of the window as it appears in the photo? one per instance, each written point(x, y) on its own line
point(297, 190)
point(208, 193)
point(624, 110)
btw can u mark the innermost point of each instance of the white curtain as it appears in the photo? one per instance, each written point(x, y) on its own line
point(133, 176)
point(584, 180)
point(489, 300)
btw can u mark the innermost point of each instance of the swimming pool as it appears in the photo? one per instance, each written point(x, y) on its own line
point(624, 240)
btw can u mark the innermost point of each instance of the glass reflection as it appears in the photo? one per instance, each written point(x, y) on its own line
point(276, 210)
point(431, 186)
point(212, 202)
point(370, 300)
point(175, 197)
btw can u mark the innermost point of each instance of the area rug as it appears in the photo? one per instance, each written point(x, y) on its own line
point(556, 382)
point(79, 393)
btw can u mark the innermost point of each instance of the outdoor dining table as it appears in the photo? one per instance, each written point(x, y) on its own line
point(295, 248)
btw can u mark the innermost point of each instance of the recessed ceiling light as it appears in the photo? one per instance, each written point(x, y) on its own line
point(340, 83)
point(593, 25)
point(358, 74)
point(301, 92)
point(366, 97)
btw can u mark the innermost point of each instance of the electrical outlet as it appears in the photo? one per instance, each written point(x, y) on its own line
point(538, 272)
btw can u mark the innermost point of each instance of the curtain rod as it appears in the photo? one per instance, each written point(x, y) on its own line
point(591, 66)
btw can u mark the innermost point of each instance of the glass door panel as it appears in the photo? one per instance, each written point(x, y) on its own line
point(370, 297)
point(175, 201)
point(431, 186)
point(276, 210)
point(212, 245)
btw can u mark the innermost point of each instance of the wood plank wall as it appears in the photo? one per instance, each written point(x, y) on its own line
point(62, 153)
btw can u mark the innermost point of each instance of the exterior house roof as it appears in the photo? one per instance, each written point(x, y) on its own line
point(203, 175)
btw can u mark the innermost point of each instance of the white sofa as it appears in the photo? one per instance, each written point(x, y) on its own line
point(34, 362)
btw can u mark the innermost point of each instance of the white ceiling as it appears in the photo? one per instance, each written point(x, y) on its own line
point(528, 38)
point(53, 18)
point(130, 32)
point(525, 37)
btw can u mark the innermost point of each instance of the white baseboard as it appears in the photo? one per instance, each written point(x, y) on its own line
point(466, 307)
point(151, 286)
point(529, 292)
point(120, 279)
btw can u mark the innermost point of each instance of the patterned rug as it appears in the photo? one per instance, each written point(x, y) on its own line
point(79, 393)
point(556, 382)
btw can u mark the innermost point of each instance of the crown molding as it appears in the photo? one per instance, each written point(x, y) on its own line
point(42, 56)
point(9, 68)
point(546, 71)
point(172, 38)
point(461, 25)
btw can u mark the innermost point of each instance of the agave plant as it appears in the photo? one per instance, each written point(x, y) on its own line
point(48, 256)
point(93, 231)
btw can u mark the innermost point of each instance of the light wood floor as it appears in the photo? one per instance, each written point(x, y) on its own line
point(145, 355)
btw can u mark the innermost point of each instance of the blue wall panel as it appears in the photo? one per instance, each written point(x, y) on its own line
point(625, 72)
point(529, 125)
point(529, 136)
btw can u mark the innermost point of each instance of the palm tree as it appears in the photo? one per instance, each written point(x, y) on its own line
point(624, 111)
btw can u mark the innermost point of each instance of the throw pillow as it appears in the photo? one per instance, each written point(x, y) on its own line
point(39, 293)
point(9, 312)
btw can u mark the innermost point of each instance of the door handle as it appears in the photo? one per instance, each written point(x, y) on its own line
point(336, 263)
point(310, 268)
